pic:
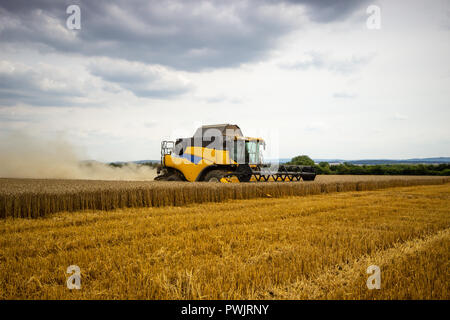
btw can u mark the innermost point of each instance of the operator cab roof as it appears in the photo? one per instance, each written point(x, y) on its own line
point(227, 129)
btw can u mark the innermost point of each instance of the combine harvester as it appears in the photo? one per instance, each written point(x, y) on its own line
point(220, 153)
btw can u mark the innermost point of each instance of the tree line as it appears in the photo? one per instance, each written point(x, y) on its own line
point(442, 169)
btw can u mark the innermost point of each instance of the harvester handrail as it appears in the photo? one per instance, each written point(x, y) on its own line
point(167, 147)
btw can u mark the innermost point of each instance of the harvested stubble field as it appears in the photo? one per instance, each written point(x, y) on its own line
point(31, 198)
point(311, 247)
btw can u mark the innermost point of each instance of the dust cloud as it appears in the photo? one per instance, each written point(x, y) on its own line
point(25, 156)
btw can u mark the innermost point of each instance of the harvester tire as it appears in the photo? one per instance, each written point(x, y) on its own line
point(244, 178)
point(174, 177)
point(308, 177)
point(214, 176)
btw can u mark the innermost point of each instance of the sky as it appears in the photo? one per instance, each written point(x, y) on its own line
point(329, 79)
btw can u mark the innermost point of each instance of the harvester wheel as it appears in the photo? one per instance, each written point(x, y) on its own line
point(174, 177)
point(244, 178)
point(214, 176)
point(308, 177)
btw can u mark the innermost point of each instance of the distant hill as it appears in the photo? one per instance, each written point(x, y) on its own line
point(330, 160)
point(137, 162)
point(146, 161)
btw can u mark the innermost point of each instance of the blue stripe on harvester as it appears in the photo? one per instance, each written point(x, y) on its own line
point(190, 157)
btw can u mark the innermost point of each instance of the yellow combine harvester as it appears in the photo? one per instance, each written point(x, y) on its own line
point(220, 153)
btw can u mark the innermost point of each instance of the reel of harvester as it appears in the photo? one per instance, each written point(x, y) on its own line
point(284, 173)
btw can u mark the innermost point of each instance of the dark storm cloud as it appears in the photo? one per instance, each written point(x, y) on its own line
point(189, 35)
point(173, 35)
point(142, 80)
point(25, 85)
point(331, 10)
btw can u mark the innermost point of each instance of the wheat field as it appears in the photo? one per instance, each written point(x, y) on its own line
point(33, 198)
point(309, 247)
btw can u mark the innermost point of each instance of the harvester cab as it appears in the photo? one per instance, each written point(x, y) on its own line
point(221, 153)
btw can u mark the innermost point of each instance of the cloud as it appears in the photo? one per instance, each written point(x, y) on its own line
point(331, 10)
point(55, 85)
point(224, 99)
point(41, 85)
point(321, 61)
point(188, 35)
point(343, 95)
point(148, 81)
point(399, 117)
point(316, 126)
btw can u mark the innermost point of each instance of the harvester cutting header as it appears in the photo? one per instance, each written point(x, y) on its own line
point(221, 153)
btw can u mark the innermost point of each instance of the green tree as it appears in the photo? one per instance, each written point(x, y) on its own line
point(302, 160)
point(324, 164)
point(323, 168)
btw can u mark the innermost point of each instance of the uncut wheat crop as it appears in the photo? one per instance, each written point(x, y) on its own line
point(32, 198)
point(297, 247)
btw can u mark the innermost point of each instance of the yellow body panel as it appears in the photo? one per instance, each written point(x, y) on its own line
point(188, 169)
point(201, 158)
point(212, 156)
